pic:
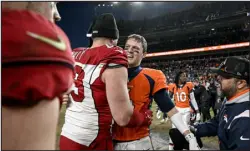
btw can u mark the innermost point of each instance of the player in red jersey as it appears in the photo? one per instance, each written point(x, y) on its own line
point(182, 92)
point(101, 93)
point(32, 48)
point(146, 84)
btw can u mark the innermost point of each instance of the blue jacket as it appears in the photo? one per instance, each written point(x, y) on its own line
point(231, 125)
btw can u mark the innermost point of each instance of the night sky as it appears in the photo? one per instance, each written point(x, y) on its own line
point(77, 16)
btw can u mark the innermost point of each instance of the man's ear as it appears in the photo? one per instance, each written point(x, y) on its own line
point(144, 54)
point(241, 84)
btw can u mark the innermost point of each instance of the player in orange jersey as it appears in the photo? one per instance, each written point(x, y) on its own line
point(182, 92)
point(145, 85)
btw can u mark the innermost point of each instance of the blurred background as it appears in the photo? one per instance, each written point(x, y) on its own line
point(169, 26)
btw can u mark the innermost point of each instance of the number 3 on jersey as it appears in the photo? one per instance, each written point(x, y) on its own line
point(181, 97)
point(78, 92)
point(85, 76)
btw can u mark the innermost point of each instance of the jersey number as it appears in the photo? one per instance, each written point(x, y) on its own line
point(85, 76)
point(181, 97)
point(78, 91)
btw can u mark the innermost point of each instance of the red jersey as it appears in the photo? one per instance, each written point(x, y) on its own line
point(36, 58)
point(88, 118)
point(143, 84)
point(181, 94)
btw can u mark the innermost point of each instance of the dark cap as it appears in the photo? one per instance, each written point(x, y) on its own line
point(234, 67)
point(104, 26)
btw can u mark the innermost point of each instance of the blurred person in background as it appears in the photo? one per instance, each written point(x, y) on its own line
point(33, 44)
point(203, 98)
point(182, 92)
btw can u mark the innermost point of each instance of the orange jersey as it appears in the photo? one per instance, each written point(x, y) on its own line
point(181, 95)
point(143, 85)
point(170, 86)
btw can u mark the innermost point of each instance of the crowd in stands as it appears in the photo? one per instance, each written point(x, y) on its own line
point(195, 68)
point(201, 12)
point(204, 38)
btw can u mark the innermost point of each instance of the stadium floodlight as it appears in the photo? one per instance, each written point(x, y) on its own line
point(103, 4)
point(115, 2)
point(137, 3)
point(99, 5)
point(111, 5)
point(212, 29)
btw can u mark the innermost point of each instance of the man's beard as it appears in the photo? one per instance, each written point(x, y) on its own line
point(229, 92)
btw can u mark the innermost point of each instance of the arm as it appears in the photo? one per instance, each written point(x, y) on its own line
point(117, 94)
point(193, 102)
point(118, 99)
point(208, 128)
point(171, 94)
point(164, 102)
point(16, 123)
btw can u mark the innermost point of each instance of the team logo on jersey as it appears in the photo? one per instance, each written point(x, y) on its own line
point(59, 44)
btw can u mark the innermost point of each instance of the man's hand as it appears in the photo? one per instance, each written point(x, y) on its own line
point(193, 129)
point(193, 145)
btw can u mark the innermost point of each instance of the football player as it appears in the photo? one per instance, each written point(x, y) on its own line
point(101, 93)
point(146, 84)
point(183, 94)
point(32, 48)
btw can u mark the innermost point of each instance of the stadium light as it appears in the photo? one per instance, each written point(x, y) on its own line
point(115, 2)
point(99, 5)
point(111, 5)
point(103, 4)
point(137, 3)
point(212, 29)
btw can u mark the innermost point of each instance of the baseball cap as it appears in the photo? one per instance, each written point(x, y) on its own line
point(234, 67)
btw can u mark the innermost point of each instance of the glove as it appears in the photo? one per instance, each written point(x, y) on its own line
point(198, 117)
point(193, 145)
point(147, 118)
point(148, 114)
point(141, 118)
point(158, 114)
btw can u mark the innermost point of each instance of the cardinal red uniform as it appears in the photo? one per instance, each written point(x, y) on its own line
point(37, 60)
point(88, 118)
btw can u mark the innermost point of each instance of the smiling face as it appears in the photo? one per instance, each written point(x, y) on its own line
point(135, 48)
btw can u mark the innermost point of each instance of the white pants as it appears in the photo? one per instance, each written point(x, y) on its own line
point(185, 115)
point(185, 112)
point(141, 144)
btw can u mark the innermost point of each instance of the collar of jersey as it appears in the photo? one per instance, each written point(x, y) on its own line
point(133, 72)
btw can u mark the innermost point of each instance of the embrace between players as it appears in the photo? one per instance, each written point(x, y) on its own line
point(109, 106)
point(111, 86)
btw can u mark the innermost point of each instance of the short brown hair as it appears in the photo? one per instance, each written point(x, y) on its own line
point(140, 39)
